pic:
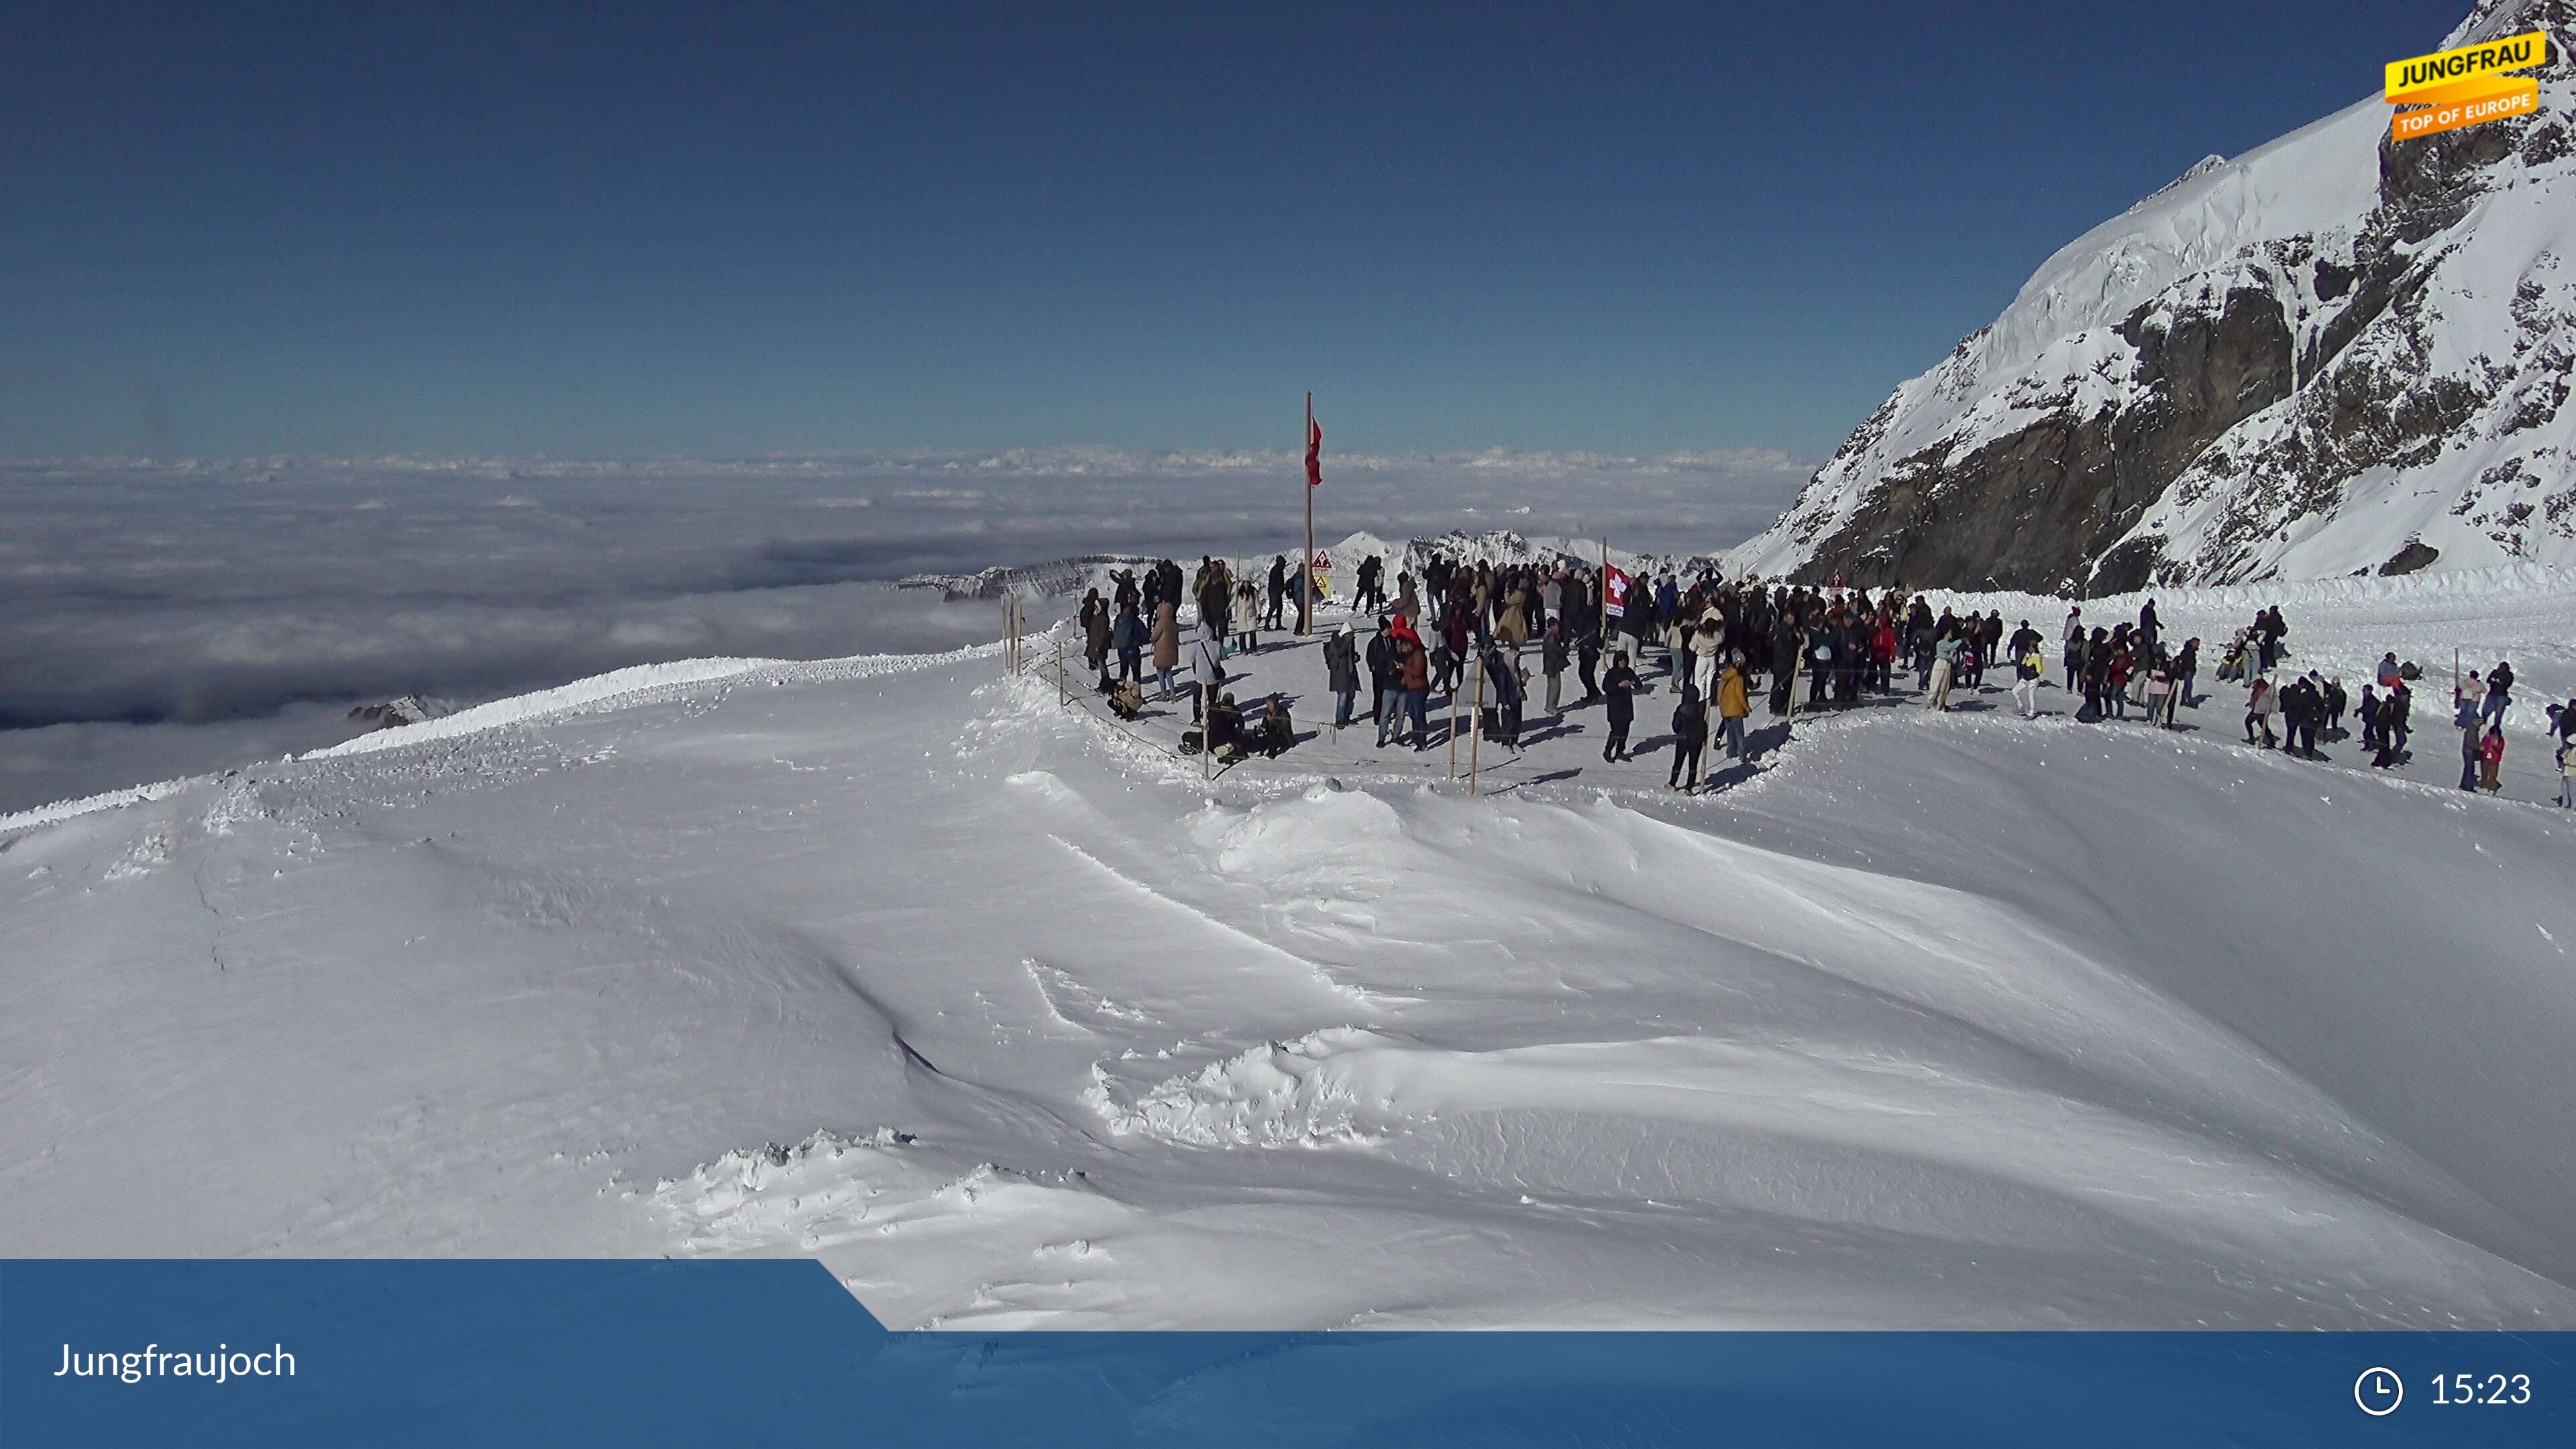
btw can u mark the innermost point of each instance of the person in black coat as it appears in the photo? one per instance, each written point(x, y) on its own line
point(1095, 620)
point(1619, 686)
point(1551, 662)
point(1381, 666)
point(1503, 687)
point(2499, 695)
point(1785, 637)
point(1690, 737)
point(2393, 707)
point(2097, 673)
point(2300, 707)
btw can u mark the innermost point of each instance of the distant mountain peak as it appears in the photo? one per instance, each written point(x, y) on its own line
point(2199, 168)
point(2333, 354)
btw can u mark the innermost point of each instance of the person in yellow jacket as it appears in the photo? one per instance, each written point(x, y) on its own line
point(1734, 702)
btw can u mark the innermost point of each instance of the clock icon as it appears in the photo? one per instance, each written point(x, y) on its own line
point(2378, 1392)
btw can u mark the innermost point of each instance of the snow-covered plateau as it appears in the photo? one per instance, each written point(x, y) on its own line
point(2336, 354)
point(1012, 1018)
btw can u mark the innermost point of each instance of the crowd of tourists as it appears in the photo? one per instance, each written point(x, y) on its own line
point(1490, 637)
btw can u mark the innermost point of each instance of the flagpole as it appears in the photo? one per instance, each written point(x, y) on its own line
point(1605, 594)
point(1306, 595)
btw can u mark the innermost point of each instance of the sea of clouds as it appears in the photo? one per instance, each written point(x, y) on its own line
point(166, 618)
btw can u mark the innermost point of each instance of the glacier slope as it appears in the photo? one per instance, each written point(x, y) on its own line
point(1012, 1021)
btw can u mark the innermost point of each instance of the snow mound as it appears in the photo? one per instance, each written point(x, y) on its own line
point(1346, 835)
point(1291, 1094)
point(641, 684)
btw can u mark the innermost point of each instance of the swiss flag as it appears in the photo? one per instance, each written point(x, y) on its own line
point(1314, 454)
point(1614, 593)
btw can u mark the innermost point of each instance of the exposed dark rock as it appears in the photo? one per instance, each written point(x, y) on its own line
point(2033, 509)
point(2415, 555)
point(410, 709)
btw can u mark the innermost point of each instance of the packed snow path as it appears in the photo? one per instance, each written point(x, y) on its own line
point(1011, 1020)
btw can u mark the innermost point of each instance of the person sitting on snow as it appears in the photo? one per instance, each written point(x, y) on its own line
point(1127, 699)
point(1275, 733)
point(1225, 730)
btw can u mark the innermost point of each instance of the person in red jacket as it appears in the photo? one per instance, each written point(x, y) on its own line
point(1882, 655)
point(1413, 674)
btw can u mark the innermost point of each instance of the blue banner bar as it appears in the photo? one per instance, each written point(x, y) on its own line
point(506, 1353)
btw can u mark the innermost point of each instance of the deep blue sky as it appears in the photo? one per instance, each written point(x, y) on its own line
point(231, 230)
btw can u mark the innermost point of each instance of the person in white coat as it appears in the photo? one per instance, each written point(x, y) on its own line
point(1706, 643)
point(2262, 701)
point(1207, 670)
point(1944, 662)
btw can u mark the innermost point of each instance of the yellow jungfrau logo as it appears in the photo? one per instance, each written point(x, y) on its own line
point(2467, 86)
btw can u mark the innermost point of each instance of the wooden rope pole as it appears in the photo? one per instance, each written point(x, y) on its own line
point(1476, 722)
point(1797, 667)
point(1453, 729)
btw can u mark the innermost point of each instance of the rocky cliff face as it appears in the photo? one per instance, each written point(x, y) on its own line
point(2334, 355)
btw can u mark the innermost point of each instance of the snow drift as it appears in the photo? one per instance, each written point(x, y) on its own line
point(1944, 1020)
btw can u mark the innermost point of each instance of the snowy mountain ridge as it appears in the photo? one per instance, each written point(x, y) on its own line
point(2331, 355)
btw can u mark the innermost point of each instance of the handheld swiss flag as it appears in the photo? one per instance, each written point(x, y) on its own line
point(1314, 454)
point(1614, 593)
